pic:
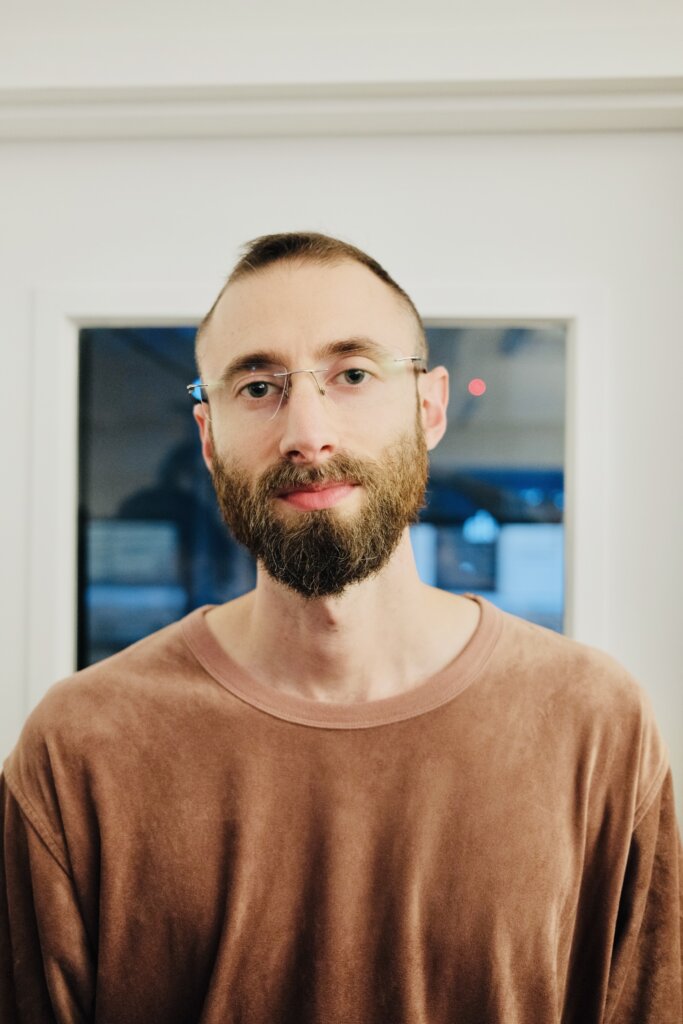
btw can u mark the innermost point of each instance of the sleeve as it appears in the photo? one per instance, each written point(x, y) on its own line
point(645, 985)
point(46, 966)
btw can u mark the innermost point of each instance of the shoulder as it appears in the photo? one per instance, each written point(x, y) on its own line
point(92, 712)
point(592, 704)
point(136, 673)
point(567, 670)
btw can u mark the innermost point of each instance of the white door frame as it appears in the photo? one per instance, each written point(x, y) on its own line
point(59, 315)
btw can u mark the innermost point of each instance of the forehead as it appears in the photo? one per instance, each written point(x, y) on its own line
point(299, 307)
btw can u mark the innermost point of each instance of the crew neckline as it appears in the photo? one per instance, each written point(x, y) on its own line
point(434, 691)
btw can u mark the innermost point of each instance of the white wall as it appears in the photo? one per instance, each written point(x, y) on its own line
point(138, 42)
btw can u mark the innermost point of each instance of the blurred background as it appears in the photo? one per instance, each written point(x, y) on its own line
point(151, 541)
point(517, 171)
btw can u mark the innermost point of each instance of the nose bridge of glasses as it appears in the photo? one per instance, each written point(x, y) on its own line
point(302, 406)
point(313, 373)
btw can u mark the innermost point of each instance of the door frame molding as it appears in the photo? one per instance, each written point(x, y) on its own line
point(60, 313)
point(332, 108)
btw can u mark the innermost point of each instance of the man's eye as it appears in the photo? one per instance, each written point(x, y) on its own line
point(354, 376)
point(257, 389)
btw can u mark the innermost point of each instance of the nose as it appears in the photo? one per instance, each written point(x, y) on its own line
point(309, 434)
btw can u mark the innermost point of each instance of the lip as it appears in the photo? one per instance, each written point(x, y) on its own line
point(324, 486)
point(317, 496)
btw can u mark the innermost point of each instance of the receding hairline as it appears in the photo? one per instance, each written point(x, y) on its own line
point(244, 270)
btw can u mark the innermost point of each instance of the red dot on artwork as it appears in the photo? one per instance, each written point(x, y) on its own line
point(476, 386)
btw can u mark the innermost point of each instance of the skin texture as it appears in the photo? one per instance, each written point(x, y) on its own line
point(390, 631)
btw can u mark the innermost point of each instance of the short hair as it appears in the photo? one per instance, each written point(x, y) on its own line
point(307, 247)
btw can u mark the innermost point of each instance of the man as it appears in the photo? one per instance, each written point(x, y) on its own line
point(347, 797)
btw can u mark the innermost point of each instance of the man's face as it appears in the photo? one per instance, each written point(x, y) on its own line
point(318, 493)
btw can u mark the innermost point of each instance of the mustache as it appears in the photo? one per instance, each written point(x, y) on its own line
point(339, 468)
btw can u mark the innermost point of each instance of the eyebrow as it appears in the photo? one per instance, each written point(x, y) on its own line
point(258, 360)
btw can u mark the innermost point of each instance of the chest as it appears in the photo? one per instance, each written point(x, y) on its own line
point(273, 860)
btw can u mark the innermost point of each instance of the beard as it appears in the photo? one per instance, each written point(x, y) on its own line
point(320, 553)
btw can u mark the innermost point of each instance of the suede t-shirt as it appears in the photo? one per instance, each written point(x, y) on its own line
point(184, 844)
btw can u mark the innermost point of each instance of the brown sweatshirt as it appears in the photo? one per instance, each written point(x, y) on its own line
point(186, 845)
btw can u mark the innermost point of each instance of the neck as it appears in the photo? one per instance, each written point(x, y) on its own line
point(378, 638)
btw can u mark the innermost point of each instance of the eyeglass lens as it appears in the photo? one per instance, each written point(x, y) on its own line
point(351, 381)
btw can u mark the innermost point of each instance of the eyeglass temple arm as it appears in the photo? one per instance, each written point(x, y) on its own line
point(420, 362)
point(194, 390)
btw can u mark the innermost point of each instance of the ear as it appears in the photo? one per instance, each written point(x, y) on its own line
point(433, 391)
point(200, 411)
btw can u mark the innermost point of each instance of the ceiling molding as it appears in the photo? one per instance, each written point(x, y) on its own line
point(326, 109)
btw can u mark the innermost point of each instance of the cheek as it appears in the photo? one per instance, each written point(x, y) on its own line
point(386, 423)
point(397, 421)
